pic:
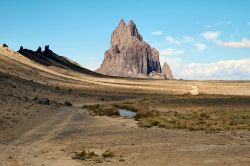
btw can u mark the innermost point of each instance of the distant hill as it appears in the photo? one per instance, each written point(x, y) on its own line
point(49, 58)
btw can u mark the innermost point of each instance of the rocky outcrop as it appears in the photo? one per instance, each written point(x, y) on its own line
point(129, 55)
point(49, 58)
point(39, 50)
point(166, 71)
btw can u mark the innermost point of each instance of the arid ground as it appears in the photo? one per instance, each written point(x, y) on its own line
point(178, 122)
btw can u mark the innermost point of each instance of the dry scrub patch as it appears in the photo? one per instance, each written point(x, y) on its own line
point(102, 110)
point(94, 156)
point(203, 112)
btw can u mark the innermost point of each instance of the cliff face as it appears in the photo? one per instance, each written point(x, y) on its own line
point(129, 55)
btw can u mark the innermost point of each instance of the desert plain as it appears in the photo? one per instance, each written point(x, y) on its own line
point(54, 116)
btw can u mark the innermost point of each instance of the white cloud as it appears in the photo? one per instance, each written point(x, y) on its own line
point(227, 69)
point(172, 40)
point(220, 70)
point(211, 35)
point(157, 33)
point(200, 47)
point(184, 39)
point(171, 51)
point(214, 36)
point(244, 42)
point(220, 23)
point(187, 39)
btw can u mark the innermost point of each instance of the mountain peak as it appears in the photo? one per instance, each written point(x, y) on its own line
point(129, 55)
point(122, 23)
point(133, 30)
point(131, 23)
point(124, 34)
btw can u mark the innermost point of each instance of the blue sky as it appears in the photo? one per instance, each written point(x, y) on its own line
point(207, 39)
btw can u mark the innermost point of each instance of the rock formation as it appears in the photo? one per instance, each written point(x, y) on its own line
point(166, 71)
point(129, 55)
point(49, 58)
point(5, 45)
point(39, 50)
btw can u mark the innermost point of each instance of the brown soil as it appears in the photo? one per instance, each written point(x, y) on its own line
point(37, 134)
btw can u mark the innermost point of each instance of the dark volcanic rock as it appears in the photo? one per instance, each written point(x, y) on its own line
point(49, 58)
point(5, 45)
point(21, 49)
point(39, 50)
point(47, 50)
point(129, 55)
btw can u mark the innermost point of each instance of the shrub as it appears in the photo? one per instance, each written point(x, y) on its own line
point(102, 110)
point(108, 153)
point(67, 103)
point(84, 155)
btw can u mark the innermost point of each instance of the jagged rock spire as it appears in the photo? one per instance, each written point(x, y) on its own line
point(129, 55)
point(21, 48)
point(46, 48)
point(122, 23)
point(167, 71)
point(123, 34)
point(133, 30)
point(39, 50)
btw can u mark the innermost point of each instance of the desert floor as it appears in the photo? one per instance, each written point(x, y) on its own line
point(34, 132)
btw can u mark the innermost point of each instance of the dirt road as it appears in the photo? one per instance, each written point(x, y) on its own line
point(36, 147)
point(54, 142)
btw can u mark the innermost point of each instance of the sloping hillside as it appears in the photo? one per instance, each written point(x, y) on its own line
point(68, 74)
point(49, 58)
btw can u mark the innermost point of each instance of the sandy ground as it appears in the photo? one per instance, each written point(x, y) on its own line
point(34, 134)
point(54, 142)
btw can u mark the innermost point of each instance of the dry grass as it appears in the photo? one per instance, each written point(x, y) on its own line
point(210, 121)
point(84, 155)
point(102, 110)
point(204, 112)
point(108, 154)
point(91, 155)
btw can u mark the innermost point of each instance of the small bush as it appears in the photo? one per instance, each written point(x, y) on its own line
point(102, 110)
point(67, 103)
point(84, 155)
point(108, 153)
point(43, 101)
point(204, 115)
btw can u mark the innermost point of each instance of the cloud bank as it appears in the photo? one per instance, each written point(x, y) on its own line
point(243, 43)
point(220, 70)
point(214, 36)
